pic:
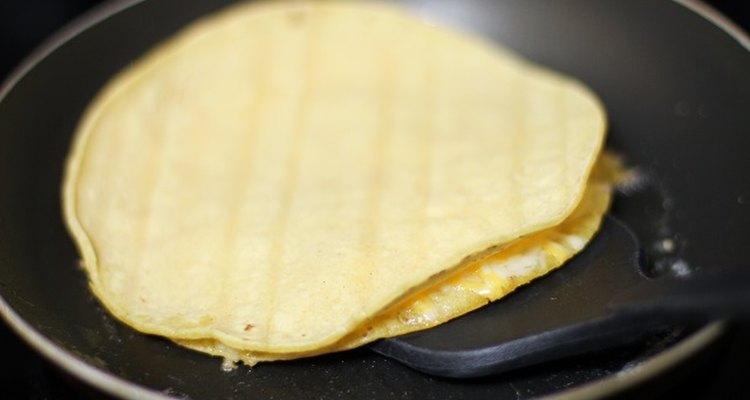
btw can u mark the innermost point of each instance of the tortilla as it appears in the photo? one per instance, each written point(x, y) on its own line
point(279, 174)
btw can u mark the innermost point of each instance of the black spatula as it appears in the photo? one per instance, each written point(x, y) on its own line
point(599, 300)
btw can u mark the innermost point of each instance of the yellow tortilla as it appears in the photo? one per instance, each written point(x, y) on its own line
point(279, 174)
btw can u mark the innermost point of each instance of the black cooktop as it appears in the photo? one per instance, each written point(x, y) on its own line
point(720, 371)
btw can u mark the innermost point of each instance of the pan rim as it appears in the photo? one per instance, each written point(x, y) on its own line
point(122, 388)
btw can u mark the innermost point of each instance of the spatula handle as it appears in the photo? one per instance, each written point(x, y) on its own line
point(703, 296)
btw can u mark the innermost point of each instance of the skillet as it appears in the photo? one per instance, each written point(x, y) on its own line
point(676, 99)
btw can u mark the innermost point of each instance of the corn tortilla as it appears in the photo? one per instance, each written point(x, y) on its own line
point(278, 174)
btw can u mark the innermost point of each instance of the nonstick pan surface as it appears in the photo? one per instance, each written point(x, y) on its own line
point(677, 91)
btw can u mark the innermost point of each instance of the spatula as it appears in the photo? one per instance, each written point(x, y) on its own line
point(599, 300)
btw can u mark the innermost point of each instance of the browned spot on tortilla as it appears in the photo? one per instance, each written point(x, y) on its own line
point(296, 17)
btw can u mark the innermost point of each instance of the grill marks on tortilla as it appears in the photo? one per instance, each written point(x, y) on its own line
point(289, 184)
point(299, 168)
point(378, 164)
point(245, 171)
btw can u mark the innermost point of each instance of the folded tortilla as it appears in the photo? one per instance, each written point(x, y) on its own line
point(286, 178)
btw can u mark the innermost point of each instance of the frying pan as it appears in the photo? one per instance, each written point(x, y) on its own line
point(674, 84)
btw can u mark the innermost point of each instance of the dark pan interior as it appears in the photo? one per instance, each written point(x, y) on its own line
point(677, 92)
